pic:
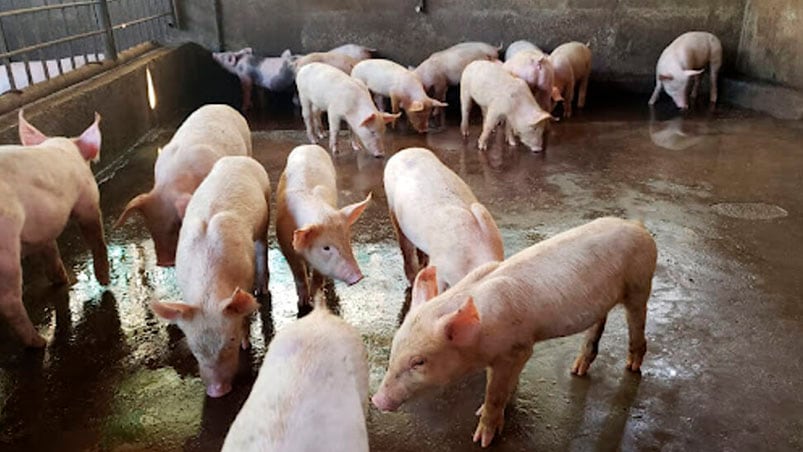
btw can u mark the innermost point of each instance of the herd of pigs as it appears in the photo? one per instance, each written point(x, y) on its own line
point(209, 214)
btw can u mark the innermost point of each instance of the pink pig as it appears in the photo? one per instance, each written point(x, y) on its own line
point(493, 316)
point(572, 65)
point(44, 183)
point(534, 67)
point(686, 57)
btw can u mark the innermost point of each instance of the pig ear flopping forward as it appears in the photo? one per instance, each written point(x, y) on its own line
point(89, 141)
point(29, 135)
point(353, 211)
point(181, 204)
point(462, 327)
point(242, 304)
point(173, 312)
point(543, 116)
point(135, 204)
point(425, 286)
point(303, 237)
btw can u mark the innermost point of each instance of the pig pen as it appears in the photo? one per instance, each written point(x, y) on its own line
point(719, 190)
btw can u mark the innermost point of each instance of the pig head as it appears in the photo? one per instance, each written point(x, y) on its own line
point(371, 131)
point(214, 333)
point(676, 84)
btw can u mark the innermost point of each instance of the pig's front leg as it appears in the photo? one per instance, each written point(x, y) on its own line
point(54, 267)
point(492, 118)
point(316, 283)
point(655, 93)
point(440, 94)
point(11, 306)
point(509, 134)
point(502, 376)
point(92, 230)
point(355, 141)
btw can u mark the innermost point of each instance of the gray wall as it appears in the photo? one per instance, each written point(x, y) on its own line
point(771, 46)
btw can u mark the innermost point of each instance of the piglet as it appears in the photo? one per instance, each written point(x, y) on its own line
point(403, 87)
point(311, 393)
point(519, 46)
point(324, 88)
point(314, 235)
point(438, 218)
point(337, 60)
point(222, 247)
point(272, 73)
point(209, 133)
point(444, 68)
point(493, 316)
point(572, 65)
point(534, 67)
point(502, 97)
point(356, 52)
point(686, 57)
point(43, 184)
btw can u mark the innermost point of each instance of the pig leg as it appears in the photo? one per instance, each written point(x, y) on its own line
point(263, 275)
point(91, 226)
point(394, 108)
point(423, 258)
point(379, 101)
point(307, 114)
point(581, 95)
point(440, 94)
point(589, 349)
point(502, 376)
point(695, 87)
point(492, 118)
point(246, 84)
point(636, 311)
point(716, 63)
point(317, 125)
point(655, 93)
point(11, 306)
point(334, 129)
point(511, 137)
point(355, 142)
point(465, 109)
point(54, 267)
point(568, 98)
point(408, 251)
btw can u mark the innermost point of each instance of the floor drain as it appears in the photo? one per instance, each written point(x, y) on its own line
point(750, 210)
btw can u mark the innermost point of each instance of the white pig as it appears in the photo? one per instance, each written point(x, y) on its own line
point(686, 57)
point(44, 183)
point(337, 60)
point(324, 88)
point(357, 52)
point(272, 73)
point(534, 67)
point(435, 214)
point(209, 133)
point(401, 85)
point(314, 235)
point(492, 317)
point(222, 247)
point(572, 66)
point(519, 46)
point(444, 68)
point(502, 97)
point(311, 392)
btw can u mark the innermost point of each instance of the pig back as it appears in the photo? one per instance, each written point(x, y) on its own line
point(310, 166)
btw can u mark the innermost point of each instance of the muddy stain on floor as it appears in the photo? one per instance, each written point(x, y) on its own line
point(719, 191)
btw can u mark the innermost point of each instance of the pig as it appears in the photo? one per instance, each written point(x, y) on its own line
point(444, 68)
point(493, 316)
point(221, 248)
point(311, 393)
point(534, 67)
point(426, 198)
point(519, 46)
point(337, 60)
point(686, 57)
point(572, 66)
point(502, 97)
point(44, 183)
point(313, 234)
point(324, 88)
point(209, 133)
point(272, 73)
point(402, 86)
point(356, 52)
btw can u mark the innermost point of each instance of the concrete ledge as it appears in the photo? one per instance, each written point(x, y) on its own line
point(777, 101)
point(184, 78)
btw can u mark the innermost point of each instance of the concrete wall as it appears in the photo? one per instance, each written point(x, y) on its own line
point(627, 36)
point(771, 46)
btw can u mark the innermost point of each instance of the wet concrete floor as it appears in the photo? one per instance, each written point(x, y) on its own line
point(720, 191)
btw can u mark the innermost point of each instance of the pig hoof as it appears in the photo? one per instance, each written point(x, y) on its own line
point(634, 363)
point(485, 433)
point(35, 341)
point(245, 343)
point(581, 365)
point(479, 410)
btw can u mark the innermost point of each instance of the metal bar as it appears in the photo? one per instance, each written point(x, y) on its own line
point(6, 60)
point(72, 56)
point(152, 26)
point(176, 20)
point(50, 43)
point(36, 9)
point(135, 22)
point(106, 26)
point(140, 27)
point(59, 64)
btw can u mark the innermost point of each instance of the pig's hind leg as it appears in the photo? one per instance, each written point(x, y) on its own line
point(589, 349)
point(11, 306)
point(636, 312)
point(655, 93)
point(54, 267)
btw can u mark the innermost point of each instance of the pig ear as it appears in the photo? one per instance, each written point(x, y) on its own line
point(181, 204)
point(556, 96)
point(286, 54)
point(242, 304)
point(665, 77)
point(368, 119)
point(29, 135)
point(692, 72)
point(462, 327)
point(543, 116)
point(135, 204)
point(302, 238)
point(173, 312)
point(437, 103)
point(388, 118)
point(425, 286)
point(415, 105)
point(353, 211)
point(89, 141)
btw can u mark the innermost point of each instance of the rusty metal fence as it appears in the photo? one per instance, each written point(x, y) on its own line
point(43, 39)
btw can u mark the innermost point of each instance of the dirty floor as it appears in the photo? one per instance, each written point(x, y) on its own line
point(720, 191)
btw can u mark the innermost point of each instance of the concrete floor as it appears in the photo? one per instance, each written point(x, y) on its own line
point(720, 192)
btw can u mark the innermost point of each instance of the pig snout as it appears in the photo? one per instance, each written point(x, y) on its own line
point(216, 390)
point(165, 255)
point(384, 403)
point(354, 278)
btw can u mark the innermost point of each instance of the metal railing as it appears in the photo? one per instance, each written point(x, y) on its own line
point(43, 39)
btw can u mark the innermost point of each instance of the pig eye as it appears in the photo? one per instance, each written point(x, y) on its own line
point(326, 248)
point(417, 362)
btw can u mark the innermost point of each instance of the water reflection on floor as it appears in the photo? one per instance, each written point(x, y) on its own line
point(723, 322)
